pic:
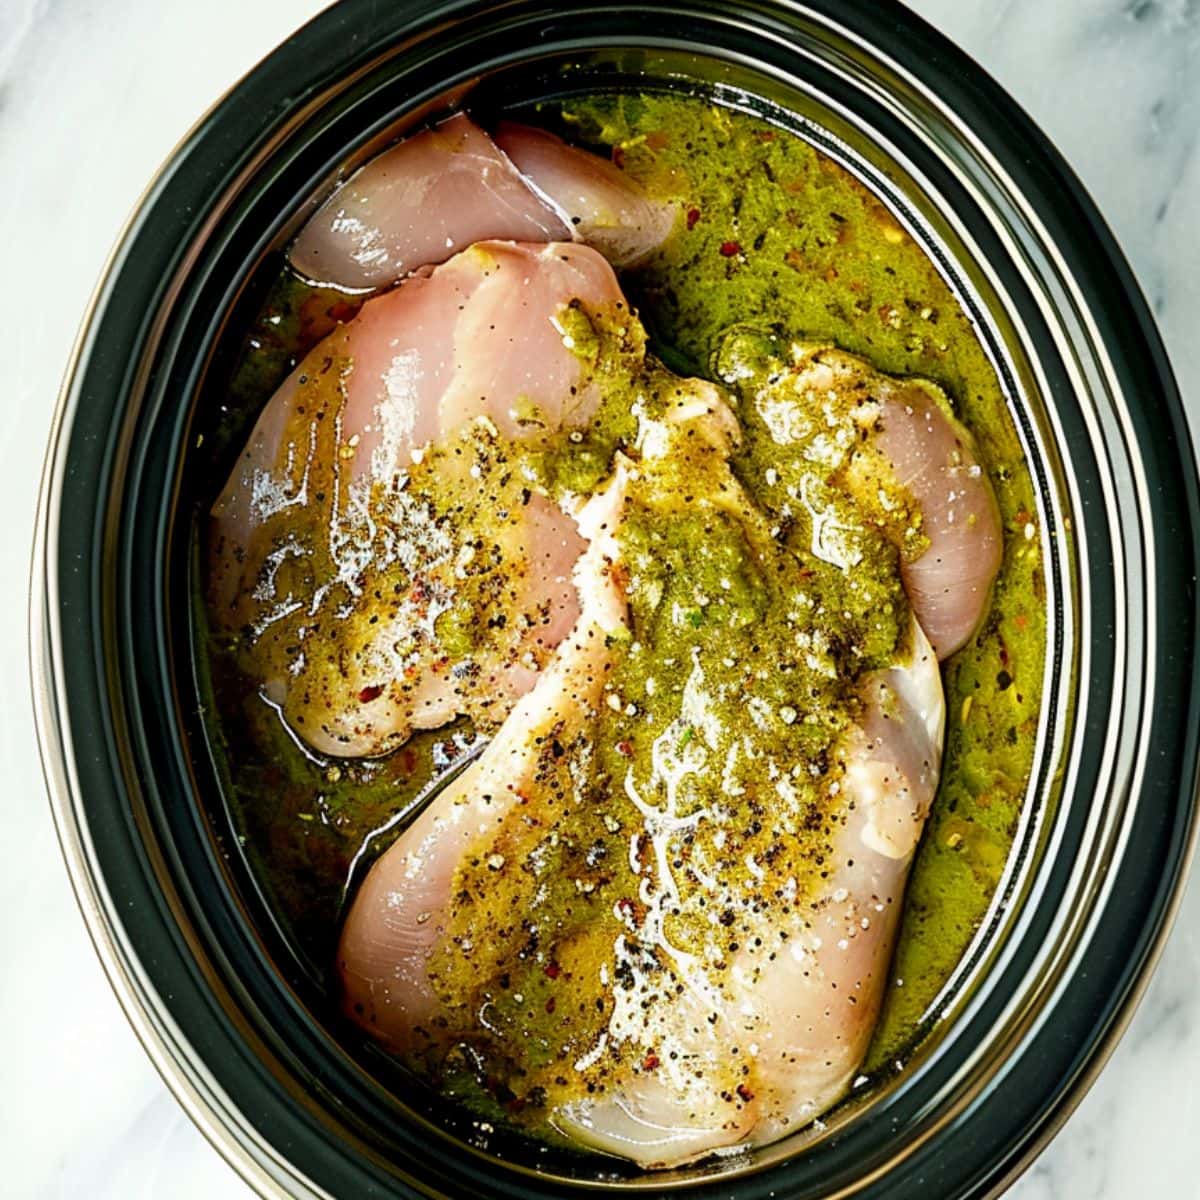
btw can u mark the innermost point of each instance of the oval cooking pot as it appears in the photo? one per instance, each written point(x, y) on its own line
point(239, 1029)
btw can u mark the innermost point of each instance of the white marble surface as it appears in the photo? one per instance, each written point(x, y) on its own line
point(93, 94)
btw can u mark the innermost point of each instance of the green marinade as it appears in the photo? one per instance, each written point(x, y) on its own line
point(774, 233)
point(773, 237)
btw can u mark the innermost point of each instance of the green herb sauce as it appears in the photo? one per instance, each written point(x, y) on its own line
point(777, 234)
point(775, 244)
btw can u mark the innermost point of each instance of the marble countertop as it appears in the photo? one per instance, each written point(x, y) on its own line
point(92, 97)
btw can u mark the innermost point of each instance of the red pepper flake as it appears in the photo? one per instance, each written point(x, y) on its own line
point(370, 693)
point(317, 319)
point(693, 215)
point(729, 249)
point(746, 1094)
point(553, 970)
point(343, 310)
point(550, 1005)
point(650, 1062)
point(625, 748)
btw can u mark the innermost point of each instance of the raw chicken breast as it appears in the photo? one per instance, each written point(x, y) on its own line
point(762, 1045)
point(933, 457)
point(737, 998)
point(400, 913)
point(344, 545)
point(420, 203)
point(606, 208)
point(441, 190)
point(916, 466)
point(816, 1022)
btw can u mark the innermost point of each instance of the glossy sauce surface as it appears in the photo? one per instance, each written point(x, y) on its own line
point(776, 253)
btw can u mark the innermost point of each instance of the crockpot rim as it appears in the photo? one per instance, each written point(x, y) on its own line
point(73, 835)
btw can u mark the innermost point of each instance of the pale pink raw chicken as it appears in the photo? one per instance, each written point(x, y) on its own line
point(478, 338)
point(604, 207)
point(445, 188)
point(801, 1018)
point(418, 203)
point(401, 910)
point(932, 457)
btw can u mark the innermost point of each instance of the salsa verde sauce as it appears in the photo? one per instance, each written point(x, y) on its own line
point(775, 239)
point(775, 230)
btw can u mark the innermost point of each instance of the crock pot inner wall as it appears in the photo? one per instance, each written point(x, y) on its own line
point(518, 85)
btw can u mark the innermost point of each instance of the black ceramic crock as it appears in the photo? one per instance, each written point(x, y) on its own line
point(220, 1001)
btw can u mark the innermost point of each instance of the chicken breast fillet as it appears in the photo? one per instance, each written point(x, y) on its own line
point(401, 911)
point(445, 188)
point(702, 1047)
point(374, 512)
